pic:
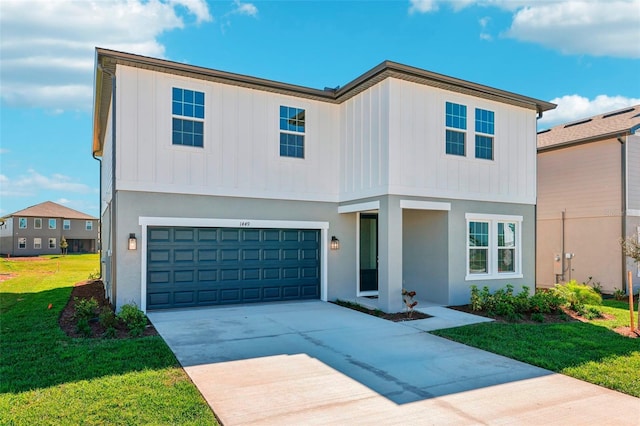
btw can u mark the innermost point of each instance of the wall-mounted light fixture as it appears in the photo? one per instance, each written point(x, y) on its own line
point(133, 243)
point(335, 243)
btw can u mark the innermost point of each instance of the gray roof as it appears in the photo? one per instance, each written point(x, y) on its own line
point(52, 210)
point(107, 60)
point(604, 126)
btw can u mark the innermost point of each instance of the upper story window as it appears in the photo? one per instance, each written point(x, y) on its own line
point(66, 224)
point(493, 246)
point(52, 224)
point(292, 129)
point(484, 134)
point(188, 131)
point(22, 223)
point(456, 123)
point(37, 223)
point(88, 225)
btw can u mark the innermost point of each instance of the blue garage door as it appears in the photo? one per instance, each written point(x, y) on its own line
point(213, 266)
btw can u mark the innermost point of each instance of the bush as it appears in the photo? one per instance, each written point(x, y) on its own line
point(108, 320)
point(576, 295)
point(133, 318)
point(82, 327)
point(85, 308)
point(545, 302)
point(502, 302)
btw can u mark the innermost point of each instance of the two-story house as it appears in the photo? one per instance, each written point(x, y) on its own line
point(39, 230)
point(224, 188)
point(588, 199)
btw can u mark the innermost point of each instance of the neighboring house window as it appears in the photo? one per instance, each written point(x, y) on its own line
point(484, 134)
point(493, 246)
point(22, 223)
point(292, 129)
point(52, 243)
point(455, 120)
point(188, 131)
point(22, 243)
point(88, 225)
point(52, 224)
point(37, 243)
point(37, 223)
point(66, 224)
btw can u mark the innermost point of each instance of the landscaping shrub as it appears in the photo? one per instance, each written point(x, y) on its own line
point(545, 302)
point(502, 302)
point(85, 308)
point(576, 295)
point(133, 318)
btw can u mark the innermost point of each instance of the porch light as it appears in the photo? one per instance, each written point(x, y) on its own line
point(335, 243)
point(133, 243)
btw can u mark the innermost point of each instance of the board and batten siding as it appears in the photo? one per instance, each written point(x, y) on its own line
point(240, 156)
point(584, 180)
point(393, 142)
point(633, 172)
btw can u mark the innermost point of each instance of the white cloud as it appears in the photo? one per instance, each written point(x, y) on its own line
point(33, 182)
point(245, 8)
point(576, 27)
point(47, 47)
point(574, 107)
point(598, 28)
point(4, 151)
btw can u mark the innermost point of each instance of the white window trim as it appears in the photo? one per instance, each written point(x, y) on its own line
point(55, 243)
point(493, 273)
point(55, 223)
point(88, 225)
point(19, 243)
point(37, 243)
point(26, 223)
point(35, 221)
point(64, 224)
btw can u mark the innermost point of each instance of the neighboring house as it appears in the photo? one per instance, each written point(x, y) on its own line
point(588, 199)
point(236, 189)
point(39, 229)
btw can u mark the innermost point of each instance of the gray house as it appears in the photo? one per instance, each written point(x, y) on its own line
point(222, 188)
point(39, 229)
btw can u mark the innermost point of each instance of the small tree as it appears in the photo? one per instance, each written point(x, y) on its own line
point(407, 298)
point(64, 245)
point(631, 248)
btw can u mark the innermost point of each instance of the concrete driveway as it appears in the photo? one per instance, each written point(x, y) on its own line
point(318, 363)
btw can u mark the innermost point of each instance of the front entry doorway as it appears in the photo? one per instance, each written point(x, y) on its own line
point(368, 254)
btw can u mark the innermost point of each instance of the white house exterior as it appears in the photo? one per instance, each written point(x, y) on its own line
point(234, 186)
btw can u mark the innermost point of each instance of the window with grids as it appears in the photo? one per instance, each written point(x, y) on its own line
point(66, 224)
point(37, 243)
point(88, 225)
point(187, 109)
point(493, 246)
point(52, 243)
point(292, 130)
point(37, 223)
point(22, 243)
point(484, 134)
point(456, 126)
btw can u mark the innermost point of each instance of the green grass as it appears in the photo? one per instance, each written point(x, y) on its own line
point(49, 378)
point(587, 351)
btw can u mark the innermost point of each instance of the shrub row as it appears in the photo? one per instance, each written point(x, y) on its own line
point(504, 302)
point(87, 309)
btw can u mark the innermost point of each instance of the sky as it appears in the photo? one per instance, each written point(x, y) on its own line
point(583, 56)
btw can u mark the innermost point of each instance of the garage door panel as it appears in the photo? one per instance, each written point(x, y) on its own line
point(209, 266)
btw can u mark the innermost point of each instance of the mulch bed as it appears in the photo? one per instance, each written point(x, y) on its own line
point(395, 317)
point(87, 290)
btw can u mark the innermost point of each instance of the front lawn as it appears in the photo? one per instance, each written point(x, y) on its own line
point(589, 351)
point(49, 378)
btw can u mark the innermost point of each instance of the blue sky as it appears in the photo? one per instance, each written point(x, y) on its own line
point(582, 55)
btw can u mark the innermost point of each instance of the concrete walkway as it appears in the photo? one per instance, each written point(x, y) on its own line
point(318, 363)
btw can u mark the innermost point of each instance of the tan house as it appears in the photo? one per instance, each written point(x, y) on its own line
point(588, 198)
point(39, 230)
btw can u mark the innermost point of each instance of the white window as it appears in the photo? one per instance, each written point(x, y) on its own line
point(493, 246)
point(52, 224)
point(37, 243)
point(88, 225)
point(22, 243)
point(22, 223)
point(66, 224)
point(52, 243)
point(37, 223)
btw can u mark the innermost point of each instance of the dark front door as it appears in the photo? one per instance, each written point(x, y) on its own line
point(368, 252)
